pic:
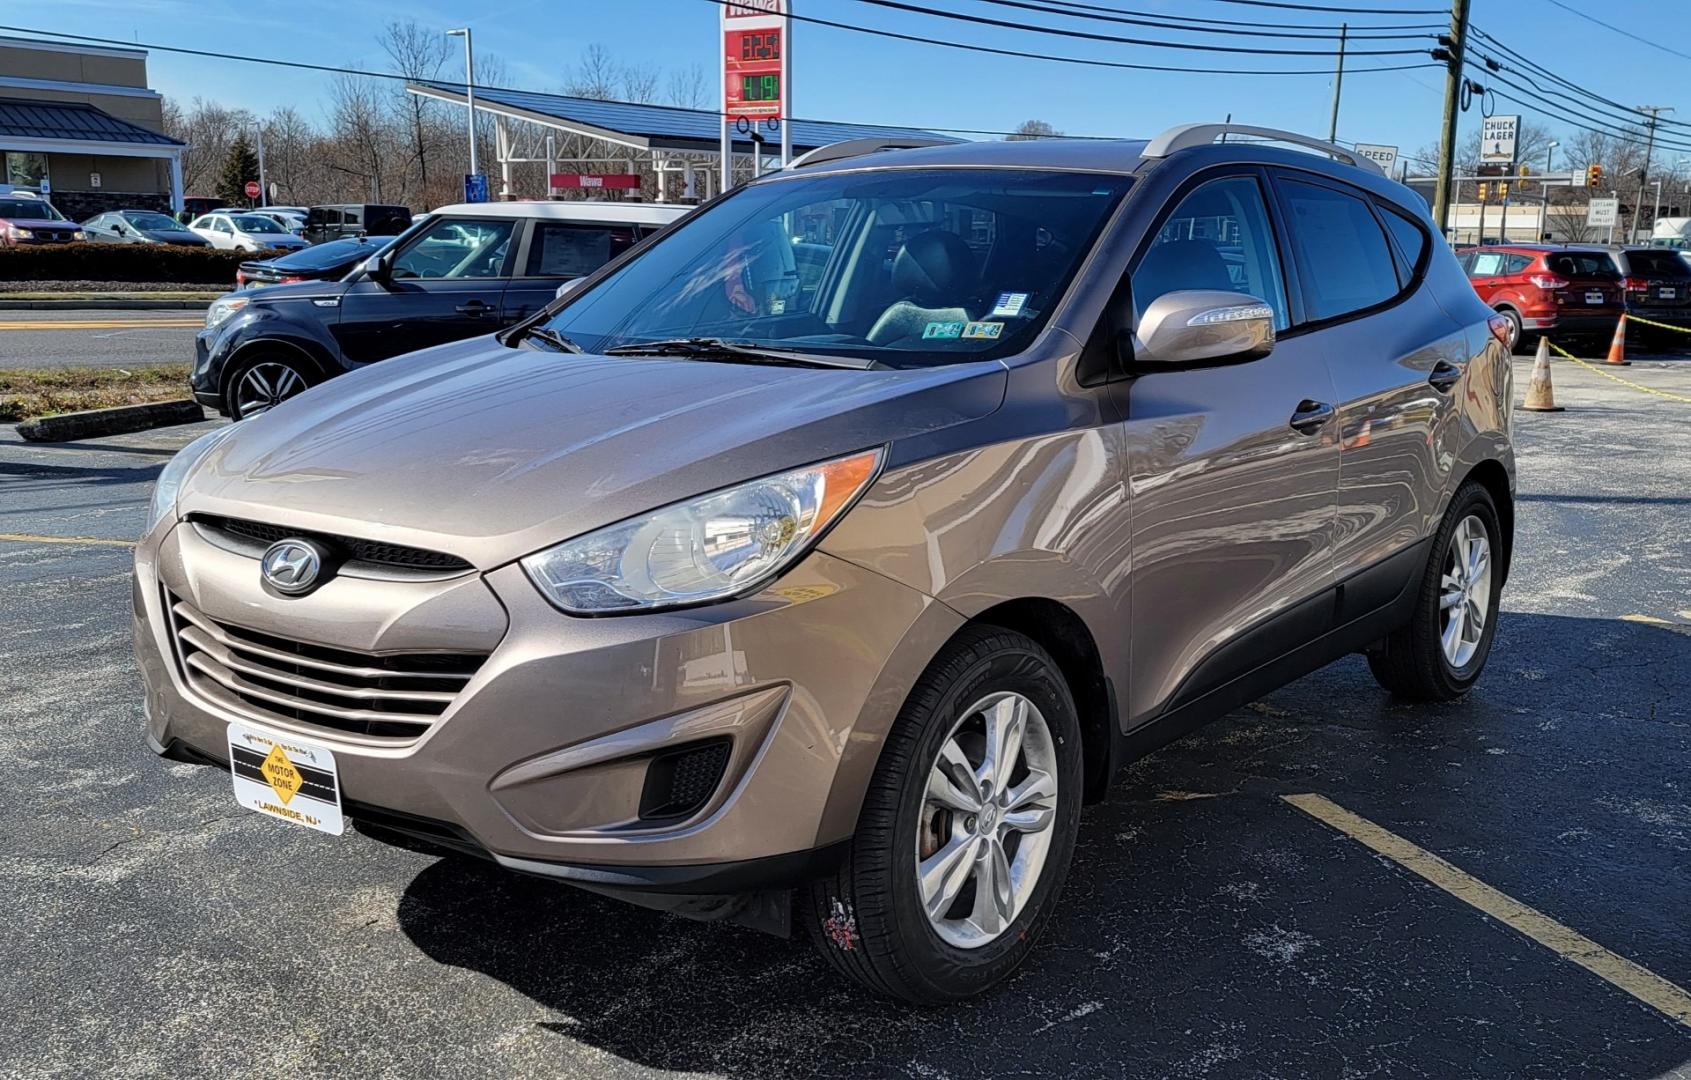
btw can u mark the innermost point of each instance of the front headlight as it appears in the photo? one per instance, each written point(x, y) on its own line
point(169, 483)
point(77, 234)
point(711, 548)
point(222, 308)
point(23, 234)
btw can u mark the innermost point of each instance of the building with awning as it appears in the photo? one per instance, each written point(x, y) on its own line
point(665, 138)
point(79, 124)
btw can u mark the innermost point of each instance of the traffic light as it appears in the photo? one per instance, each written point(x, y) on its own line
point(1593, 176)
point(1503, 190)
point(1485, 190)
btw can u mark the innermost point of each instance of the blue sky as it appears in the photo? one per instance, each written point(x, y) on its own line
point(846, 76)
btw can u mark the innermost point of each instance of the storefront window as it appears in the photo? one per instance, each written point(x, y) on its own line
point(25, 170)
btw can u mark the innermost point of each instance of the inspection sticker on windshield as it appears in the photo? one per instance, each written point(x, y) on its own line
point(1009, 304)
point(943, 330)
point(285, 778)
point(988, 330)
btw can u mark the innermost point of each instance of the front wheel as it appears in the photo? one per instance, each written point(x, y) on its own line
point(1440, 654)
point(261, 382)
point(967, 828)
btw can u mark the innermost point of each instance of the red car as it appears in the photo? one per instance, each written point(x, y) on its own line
point(1548, 290)
point(26, 218)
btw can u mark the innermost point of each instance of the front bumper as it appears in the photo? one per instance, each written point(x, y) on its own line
point(540, 760)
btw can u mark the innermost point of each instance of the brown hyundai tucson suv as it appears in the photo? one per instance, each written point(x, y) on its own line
point(818, 559)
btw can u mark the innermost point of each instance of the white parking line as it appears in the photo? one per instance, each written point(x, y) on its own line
point(1640, 982)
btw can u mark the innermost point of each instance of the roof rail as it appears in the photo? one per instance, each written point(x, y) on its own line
point(1185, 136)
point(851, 148)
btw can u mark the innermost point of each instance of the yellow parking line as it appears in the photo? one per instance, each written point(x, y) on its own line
point(1640, 982)
point(1665, 624)
point(31, 538)
point(100, 324)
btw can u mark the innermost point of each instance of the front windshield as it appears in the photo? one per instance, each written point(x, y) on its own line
point(254, 223)
point(28, 210)
point(151, 222)
point(905, 268)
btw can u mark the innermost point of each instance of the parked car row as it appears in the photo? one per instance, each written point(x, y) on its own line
point(1578, 290)
point(824, 599)
point(28, 218)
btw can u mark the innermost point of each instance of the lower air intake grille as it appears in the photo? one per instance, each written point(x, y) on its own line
point(680, 782)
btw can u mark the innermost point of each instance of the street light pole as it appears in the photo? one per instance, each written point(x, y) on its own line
point(1544, 204)
point(263, 185)
point(469, 88)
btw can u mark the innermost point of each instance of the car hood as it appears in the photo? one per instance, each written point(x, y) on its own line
point(43, 224)
point(491, 453)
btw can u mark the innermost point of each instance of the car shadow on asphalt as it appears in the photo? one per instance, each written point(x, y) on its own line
point(1208, 926)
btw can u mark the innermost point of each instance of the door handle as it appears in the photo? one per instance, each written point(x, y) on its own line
point(475, 307)
point(1444, 376)
point(1310, 417)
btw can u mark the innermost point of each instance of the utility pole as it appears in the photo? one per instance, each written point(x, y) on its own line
point(1644, 173)
point(1452, 55)
point(1338, 86)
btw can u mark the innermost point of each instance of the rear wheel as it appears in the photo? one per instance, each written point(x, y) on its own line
point(263, 381)
point(1440, 654)
point(1513, 338)
point(967, 829)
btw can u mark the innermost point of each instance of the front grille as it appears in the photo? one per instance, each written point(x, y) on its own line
point(680, 782)
point(259, 535)
point(393, 695)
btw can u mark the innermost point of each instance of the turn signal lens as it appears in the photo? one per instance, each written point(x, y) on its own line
point(712, 548)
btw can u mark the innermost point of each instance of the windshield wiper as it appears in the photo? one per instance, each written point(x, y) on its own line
point(550, 337)
point(718, 349)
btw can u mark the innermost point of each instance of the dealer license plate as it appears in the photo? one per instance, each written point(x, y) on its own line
point(284, 777)
point(1594, 297)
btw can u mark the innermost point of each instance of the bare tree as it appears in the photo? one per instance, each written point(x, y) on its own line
point(418, 54)
point(1033, 129)
point(686, 87)
point(595, 75)
point(209, 129)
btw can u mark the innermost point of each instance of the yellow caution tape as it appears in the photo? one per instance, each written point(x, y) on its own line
point(1659, 325)
point(1598, 368)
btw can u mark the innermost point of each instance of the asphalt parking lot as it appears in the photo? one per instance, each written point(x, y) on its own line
point(97, 338)
point(1209, 928)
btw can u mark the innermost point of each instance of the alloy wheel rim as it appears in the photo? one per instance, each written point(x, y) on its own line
point(266, 386)
point(1465, 592)
point(987, 821)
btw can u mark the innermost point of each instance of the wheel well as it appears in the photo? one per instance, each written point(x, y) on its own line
point(1490, 475)
point(239, 357)
point(1063, 634)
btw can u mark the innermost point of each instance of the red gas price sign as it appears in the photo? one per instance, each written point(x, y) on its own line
point(753, 41)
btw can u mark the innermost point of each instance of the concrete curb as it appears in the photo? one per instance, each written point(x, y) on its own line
point(125, 418)
point(112, 304)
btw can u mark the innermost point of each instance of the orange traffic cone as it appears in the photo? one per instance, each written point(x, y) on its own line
point(1540, 397)
point(1617, 347)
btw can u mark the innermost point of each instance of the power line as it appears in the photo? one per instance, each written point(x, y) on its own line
point(1226, 27)
point(1569, 84)
point(1618, 30)
point(982, 20)
point(1335, 10)
point(1565, 114)
point(1170, 20)
point(1116, 64)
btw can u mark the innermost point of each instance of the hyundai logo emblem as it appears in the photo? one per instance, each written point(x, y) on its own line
point(292, 566)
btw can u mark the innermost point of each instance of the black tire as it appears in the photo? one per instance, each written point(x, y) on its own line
point(1516, 334)
point(289, 373)
point(867, 918)
point(1411, 662)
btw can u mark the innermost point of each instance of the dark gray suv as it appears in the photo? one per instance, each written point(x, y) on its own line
point(816, 560)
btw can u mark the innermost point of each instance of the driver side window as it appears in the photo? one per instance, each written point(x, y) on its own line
point(1218, 238)
point(455, 248)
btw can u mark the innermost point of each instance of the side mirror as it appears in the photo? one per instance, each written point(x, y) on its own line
point(1193, 326)
point(568, 287)
point(375, 268)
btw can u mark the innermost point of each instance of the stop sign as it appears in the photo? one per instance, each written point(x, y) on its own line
point(252, 189)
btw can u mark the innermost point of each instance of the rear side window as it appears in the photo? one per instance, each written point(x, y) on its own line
point(560, 249)
point(353, 215)
point(1582, 264)
point(1411, 240)
point(1343, 257)
point(1518, 264)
